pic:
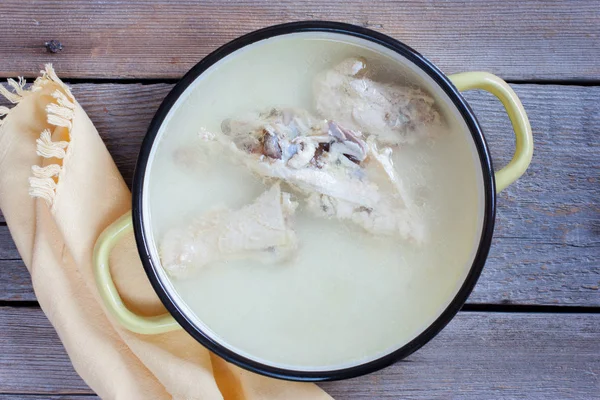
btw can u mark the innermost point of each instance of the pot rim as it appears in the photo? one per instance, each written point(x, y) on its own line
point(487, 224)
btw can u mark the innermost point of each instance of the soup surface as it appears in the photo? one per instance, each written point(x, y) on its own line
point(342, 294)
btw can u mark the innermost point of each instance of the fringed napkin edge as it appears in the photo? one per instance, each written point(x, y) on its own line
point(59, 113)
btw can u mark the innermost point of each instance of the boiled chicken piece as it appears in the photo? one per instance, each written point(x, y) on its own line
point(293, 136)
point(338, 172)
point(261, 230)
point(394, 114)
point(388, 211)
point(279, 133)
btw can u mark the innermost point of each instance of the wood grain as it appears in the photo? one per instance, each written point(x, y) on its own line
point(478, 356)
point(8, 250)
point(548, 223)
point(15, 281)
point(29, 340)
point(517, 272)
point(494, 356)
point(163, 39)
point(547, 240)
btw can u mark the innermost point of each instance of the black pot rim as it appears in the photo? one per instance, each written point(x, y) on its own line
point(488, 219)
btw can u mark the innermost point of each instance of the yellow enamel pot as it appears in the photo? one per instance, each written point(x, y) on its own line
point(177, 316)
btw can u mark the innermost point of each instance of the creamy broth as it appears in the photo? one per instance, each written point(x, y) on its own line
point(348, 296)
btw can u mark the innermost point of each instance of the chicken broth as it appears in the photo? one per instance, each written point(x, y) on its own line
point(329, 289)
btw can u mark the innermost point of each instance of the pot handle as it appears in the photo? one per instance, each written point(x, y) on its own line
point(520, 123)
point(108, 292)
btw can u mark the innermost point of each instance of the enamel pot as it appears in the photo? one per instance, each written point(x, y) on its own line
point(452, 85)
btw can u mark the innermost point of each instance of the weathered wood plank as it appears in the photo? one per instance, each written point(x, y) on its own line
point(520, 271)
point(547, 241)
point(8, 250)
point(494, 356)
point(163, 39)
point(15, 282)
point(28, 339)
point(516, 273)
point(479, 355)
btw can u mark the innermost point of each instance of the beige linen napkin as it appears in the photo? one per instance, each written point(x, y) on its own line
point(59, 189)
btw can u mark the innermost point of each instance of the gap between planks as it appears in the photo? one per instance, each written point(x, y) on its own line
point(173, 81)
point(468, 307)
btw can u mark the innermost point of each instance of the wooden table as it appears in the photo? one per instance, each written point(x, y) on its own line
point(531, 328)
